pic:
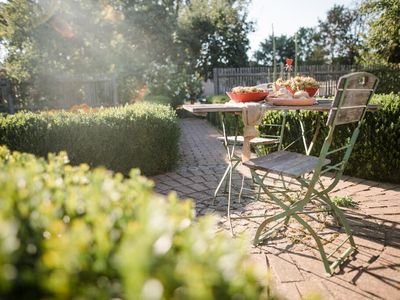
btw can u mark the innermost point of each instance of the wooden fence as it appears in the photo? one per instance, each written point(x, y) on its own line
point(6, 96)
point(65, 91)
point(59, 92)
point(327, 75)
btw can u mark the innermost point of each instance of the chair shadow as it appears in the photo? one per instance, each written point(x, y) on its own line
point(364, 226)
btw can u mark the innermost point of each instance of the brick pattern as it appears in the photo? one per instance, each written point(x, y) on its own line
point(373, 273)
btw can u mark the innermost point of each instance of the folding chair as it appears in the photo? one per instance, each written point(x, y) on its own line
point(299, 174)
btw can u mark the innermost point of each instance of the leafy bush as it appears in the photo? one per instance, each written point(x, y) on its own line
point(389, 79)
point(215, 118)
point(143, 135)
point(173, 82)
point(160, 99)
point(129, 86)
point(71, 233)
point(343, 201)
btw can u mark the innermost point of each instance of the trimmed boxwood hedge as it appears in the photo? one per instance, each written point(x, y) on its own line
point(74, 233)
point(376, 154)
point(143, 136)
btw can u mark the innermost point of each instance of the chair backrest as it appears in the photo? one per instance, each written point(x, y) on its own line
point(354, 91)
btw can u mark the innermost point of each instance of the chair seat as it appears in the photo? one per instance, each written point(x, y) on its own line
point(253, 141)
point(285, 163)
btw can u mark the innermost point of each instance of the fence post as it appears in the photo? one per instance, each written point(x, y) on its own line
point(216, 81)
point(114, 89)
point(11, 108)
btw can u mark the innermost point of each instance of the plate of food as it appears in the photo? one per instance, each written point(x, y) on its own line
point(296, 91)
point(299, 83)
point(247, 94)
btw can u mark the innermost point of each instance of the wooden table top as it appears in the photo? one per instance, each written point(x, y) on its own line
point(202, 109)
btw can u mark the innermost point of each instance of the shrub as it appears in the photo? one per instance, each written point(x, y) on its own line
point(143, 135)
point(159, 99)
point(173, 82)
point(343, 201)
point(389, 79)
point(71, 233)
point(215, 118)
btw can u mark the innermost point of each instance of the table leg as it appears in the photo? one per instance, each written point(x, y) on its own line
point(233, 162)
point(308, 147)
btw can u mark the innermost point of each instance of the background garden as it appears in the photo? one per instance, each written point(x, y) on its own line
point(102, 81)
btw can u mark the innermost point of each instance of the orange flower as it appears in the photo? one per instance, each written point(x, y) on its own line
point(289, 61)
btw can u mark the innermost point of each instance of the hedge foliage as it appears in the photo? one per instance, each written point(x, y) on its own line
point(389, 79)
point(73, 233)
point(376, 154)
point(143, 136)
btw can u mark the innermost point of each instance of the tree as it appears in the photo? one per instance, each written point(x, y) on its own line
point(285, 48)
point(310, 49)
point(214, 33)
point(340, 33)
point(49, 37)
point(383, 39)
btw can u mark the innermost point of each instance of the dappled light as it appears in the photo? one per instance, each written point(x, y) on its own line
point(181, 149)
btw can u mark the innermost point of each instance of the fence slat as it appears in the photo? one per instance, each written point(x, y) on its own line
point(327, 75)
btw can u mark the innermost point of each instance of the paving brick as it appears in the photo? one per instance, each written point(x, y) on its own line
point(284, 268)
point(380, 281)
point(308, 263)
point(341, 290)
point(197, 179)
point(287, 291)
point(171, 183)
point(162, 187)
point(313, 287)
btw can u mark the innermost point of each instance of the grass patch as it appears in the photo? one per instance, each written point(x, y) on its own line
point(343, 201)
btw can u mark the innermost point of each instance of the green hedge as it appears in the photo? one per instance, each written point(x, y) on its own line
point(389, 79)
point(376, 154)
point(73, 233)
point(215, 118)
point(143, 135)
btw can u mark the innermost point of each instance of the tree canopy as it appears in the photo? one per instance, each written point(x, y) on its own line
point(215, 33)
point(383, 39)
point(368, 33)
point(122, 36)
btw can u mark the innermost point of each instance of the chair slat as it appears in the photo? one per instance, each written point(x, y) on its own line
point(285, 163)
point(352, 97)
point(360, 80)
point(353, 94)
point(349, 115)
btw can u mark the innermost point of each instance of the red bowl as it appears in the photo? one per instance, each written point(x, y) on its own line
point(247, 97)
point(311, 91)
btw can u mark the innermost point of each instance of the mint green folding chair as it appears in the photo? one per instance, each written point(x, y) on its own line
point(296, 178)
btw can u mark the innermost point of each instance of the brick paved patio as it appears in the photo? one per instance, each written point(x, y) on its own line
point(373, 273)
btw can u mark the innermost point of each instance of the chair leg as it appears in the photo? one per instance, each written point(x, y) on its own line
point(292, 212)
point(223, 179)
point(229, 200)
point(241, 189)
point(342, 219)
